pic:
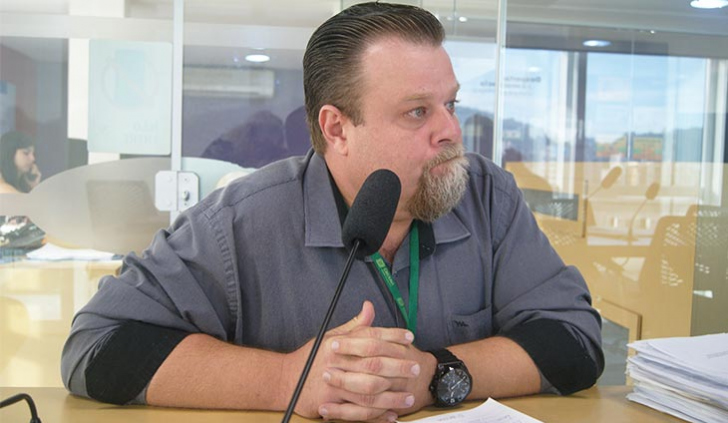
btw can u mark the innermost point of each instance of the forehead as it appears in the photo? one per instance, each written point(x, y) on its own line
point(404, 68)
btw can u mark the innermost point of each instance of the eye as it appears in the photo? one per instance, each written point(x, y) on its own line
point(451, 105)
point(417, 113)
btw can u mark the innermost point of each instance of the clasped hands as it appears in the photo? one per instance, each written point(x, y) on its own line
point(363, 373)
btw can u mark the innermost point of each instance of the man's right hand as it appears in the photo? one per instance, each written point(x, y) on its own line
point(368, 373)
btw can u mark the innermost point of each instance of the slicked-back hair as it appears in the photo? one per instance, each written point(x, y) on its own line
point(332, 69)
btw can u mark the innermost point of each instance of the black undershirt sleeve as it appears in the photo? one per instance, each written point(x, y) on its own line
point(560, 357)
point(126, 362)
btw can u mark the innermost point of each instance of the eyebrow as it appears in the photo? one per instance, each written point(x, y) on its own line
point(426, 96)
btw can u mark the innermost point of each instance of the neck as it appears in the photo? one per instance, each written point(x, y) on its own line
point(397, 233)
point(402, 219)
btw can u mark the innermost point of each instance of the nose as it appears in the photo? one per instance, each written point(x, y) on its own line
point(447, 127)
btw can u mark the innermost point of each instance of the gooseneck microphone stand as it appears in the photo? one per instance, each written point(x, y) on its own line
point(320, 336)
point(19, 397)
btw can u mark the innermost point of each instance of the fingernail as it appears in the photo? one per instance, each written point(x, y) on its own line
point(391, 418)
point(335, 345)
point(409, 401)
point(415, 369)
point(409, 336)
point(327, 376)
point(323, 412)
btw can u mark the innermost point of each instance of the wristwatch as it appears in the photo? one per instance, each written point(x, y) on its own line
point(452, 381)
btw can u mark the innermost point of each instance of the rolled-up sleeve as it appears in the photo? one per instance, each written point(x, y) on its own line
point(183, 283)
point(541, 304)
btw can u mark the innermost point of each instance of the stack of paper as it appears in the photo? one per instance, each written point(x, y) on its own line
point(685, 377)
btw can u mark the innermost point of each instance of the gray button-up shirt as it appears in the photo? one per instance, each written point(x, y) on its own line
point(257, 263)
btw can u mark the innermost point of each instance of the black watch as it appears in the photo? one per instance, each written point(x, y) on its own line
point(452, 382)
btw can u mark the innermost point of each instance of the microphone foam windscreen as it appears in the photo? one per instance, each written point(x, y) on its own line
point(371, 214)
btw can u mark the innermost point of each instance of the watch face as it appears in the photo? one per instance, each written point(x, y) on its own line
point(454, 386)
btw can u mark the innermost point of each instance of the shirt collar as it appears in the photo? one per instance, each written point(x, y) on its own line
point(324, 212)
point(323, 227)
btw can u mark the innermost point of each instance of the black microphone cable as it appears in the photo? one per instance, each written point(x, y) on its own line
point(19, 397)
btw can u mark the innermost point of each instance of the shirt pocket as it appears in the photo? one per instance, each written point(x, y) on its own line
point(470, 327)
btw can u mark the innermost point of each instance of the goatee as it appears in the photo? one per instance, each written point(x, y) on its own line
point(437, 195)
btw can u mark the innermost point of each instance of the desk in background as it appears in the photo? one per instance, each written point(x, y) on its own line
point(38, 300)
point(595, 405)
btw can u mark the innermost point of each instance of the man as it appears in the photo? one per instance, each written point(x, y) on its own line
point(220, 310)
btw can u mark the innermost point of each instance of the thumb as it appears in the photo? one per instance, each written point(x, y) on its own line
point(364, 318)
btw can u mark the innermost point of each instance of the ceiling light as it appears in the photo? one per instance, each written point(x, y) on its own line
point(709, 4)
point(463, 19)
point(597, 43)
point(257, 58)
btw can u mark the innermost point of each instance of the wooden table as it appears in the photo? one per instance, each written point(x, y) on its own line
point(55, 405)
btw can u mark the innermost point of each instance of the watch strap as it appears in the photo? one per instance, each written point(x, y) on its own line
point(444, 356)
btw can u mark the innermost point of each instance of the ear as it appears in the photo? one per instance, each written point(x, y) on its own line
point(333, 123)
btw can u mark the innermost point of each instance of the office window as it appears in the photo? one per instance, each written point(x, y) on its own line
point(623, 160)
point(67, 70)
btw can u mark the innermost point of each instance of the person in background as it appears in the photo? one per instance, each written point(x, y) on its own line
point(221, 309)
point(298, 138)
point(254, 144)
point(18, 174)
point(18, 171)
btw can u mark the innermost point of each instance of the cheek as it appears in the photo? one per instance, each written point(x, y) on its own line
point(23, 163)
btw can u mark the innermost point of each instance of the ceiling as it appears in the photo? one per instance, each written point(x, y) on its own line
point(674, 15)
point(662, 24)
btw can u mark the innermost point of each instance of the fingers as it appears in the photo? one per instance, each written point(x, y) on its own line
point(364, 318)
point(384, 401)
point(378, 366)
point(369, 342)
point(349, 412)
point(357, 383)
point(368, 390)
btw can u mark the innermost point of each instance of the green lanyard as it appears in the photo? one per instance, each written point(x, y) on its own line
point(414, 282)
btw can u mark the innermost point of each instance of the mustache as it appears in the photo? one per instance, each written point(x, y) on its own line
point(450, 152)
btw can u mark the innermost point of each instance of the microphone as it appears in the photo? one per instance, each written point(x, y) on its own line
point(371, 215)
point(606, 183)
point(650, 194)
point(363, 233)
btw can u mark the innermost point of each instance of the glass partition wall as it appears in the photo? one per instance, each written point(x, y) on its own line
point(611, 116)
point(85, 107)
point(614, 124)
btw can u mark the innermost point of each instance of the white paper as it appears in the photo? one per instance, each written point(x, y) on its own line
point(675, 400)
point(641, 369)
point(52, 252)
point(705, 355)
point(686, 377)
point(491, 411)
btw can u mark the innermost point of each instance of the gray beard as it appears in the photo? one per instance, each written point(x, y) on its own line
point(438, 195)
